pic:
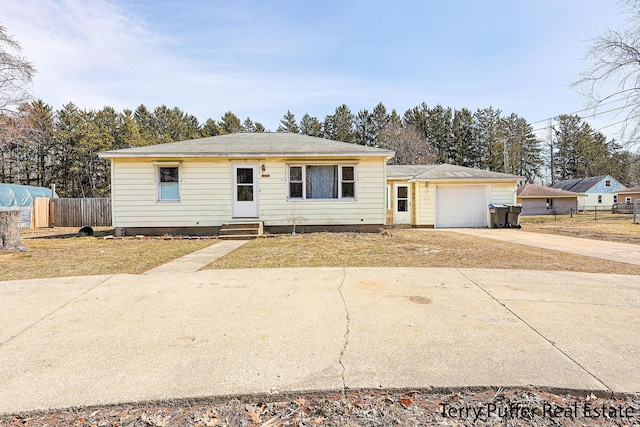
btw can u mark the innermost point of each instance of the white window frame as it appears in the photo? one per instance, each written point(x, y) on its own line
point(303, 166)
point(599, 198)
point(158, 166)
point(627, 199)
point(398, 199)
point(549, 203)
point(615, 198)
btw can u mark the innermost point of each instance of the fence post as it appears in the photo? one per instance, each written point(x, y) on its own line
point(52, 209)
point(635, 210)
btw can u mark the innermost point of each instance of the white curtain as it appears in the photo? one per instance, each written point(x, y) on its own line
point(322, 182)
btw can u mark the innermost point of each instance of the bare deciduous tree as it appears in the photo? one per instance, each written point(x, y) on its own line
point(16, 74)
point(612, 70)
point(410, 146)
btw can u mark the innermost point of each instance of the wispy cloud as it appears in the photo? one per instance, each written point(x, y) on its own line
point(260, 59)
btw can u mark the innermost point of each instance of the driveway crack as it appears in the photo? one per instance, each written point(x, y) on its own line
point(346, 334)
point(54, 311)
point(553, 344)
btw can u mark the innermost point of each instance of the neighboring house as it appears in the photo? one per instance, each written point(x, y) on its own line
point(445, 195)
point(539, 200)
point(277, 179)
point(629, 195)
point(601, 192)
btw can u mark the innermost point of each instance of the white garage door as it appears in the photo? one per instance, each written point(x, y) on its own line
point(461, 205)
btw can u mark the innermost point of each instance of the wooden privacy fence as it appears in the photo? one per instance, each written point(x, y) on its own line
point(72, 212)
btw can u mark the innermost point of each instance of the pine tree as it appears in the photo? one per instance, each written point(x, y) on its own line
point(310, 126)
point(464, 150)
point(288, 123)
point(230, 123)
point(523, 148)
point(248, 125)
point(210, 128)
point(339, 126)
point(379, 120)
point(439, 133)
point(364, 130)
point(489, 135)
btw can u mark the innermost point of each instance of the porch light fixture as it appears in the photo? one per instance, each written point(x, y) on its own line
point(263, 168)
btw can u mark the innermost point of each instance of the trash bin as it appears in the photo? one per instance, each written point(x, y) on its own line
point(512, 218)
point(499, 215)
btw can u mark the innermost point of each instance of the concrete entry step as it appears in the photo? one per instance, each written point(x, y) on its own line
point(241, 230)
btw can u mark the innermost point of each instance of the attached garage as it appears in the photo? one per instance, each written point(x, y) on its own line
point(461, 205)
point(446, 196)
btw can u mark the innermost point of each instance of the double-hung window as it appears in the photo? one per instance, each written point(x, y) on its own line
point(322, 182)
point(168, 183)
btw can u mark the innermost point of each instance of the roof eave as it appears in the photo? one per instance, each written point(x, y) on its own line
point(514, 179)
point(108, 155)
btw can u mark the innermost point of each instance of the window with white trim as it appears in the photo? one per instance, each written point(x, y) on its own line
point(168, 183)
point(615, 198)
point(599, 198)
point(549, 203)
point(627, 199)
point(322, 182)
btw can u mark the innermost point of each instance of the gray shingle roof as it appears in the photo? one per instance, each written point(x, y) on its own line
point(447, 172)
point(635, 189)
point(538, 191)
point(407, 171)
point(238, 145)
point(579, 185)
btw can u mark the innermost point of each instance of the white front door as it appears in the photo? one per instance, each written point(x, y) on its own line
point(401, 208)
point(245, 191)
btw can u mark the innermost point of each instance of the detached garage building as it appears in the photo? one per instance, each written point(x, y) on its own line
point(445, 195)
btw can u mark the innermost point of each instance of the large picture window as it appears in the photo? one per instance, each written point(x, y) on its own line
point(322, 182)
point(168, 183)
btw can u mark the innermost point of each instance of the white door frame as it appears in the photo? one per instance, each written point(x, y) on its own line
point(401, 217)
point(245, 208)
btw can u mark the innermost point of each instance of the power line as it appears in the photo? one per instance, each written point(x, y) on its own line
point(593, 115)
point(592, 108)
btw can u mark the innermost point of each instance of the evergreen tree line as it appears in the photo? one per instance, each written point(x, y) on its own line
point(40, 146)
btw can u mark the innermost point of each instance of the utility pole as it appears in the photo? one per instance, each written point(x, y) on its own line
point(505, 155)
point(551, 156)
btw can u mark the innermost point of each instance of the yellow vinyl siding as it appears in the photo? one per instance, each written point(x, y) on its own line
point(503, 193)
point(425, 196)
point(427, 199)
point(366, 208)
point(135, 203)
point(206, 194)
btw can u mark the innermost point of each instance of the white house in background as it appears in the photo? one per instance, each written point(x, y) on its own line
point(446, 195)
point(276, 179)
point(601, 192)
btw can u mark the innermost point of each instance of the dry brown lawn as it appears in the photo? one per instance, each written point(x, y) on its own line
point(607, 226)
point(56, 256)
point(407, 248)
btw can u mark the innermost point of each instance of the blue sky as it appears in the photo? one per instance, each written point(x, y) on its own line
point(262, 58)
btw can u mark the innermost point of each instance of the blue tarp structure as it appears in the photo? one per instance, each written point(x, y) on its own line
point(21, 195)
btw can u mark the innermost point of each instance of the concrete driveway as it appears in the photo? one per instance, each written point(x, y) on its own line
point(126, 338)
point(613, 251)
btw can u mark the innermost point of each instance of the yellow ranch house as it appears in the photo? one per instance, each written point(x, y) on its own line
point(280, 180)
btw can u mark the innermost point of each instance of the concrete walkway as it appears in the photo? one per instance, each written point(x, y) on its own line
point(130, 338)
point(194, 261)
point(612, 251)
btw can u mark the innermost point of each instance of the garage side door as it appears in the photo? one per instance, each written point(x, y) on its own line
point(461, 205)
